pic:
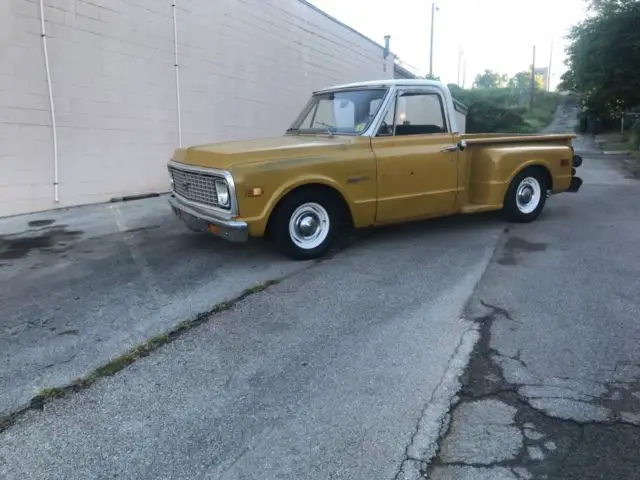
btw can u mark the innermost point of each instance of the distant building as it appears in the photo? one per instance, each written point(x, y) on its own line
point(400, 71)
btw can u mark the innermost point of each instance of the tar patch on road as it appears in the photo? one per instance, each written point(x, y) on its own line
point(496, 433)
point(48, 240)
point(515, 246)
point(142, 229)
point(41, 223)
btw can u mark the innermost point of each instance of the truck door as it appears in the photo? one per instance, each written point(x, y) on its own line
point(416, 157)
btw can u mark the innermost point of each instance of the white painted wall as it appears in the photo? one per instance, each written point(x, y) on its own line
point(246, 66)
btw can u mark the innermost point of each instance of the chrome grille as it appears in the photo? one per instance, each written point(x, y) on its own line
point(196, 187)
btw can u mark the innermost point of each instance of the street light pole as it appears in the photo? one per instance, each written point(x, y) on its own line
point(533, 77)
point(549, 70)
point(433, 12)
point(464, 73)
point(459, 62)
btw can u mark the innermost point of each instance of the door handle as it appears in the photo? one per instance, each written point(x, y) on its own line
point(449, 148)
point(461, 145)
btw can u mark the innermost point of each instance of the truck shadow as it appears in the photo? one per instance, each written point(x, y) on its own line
point(425, 228)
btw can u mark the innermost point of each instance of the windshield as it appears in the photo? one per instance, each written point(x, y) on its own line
point(347, 112)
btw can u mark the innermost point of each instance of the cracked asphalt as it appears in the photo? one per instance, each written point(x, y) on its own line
point(83, 285)
point(342, 370)
point(462, 348)
point(552, 390)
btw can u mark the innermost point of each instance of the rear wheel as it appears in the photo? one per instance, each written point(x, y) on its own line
point(526, 196)
point(305, 224)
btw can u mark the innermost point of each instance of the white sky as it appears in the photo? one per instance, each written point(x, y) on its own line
point(494, 34)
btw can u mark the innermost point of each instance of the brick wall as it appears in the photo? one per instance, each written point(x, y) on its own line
point(246, 68)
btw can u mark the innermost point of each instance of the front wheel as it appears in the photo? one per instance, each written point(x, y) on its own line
point(526, 196)
point(305, 225)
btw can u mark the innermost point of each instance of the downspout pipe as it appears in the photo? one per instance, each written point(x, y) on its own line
point(177, 70)
point(52, 109)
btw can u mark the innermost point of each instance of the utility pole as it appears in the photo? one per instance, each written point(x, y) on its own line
point(459, 62)
point(549, 69)
point(464, 73)
point(533, 77)
point(433, 14)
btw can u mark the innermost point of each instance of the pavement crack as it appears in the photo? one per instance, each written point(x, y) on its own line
point(429, 450)
point(495, 310)
point(465, 395)
point(119, 363)
point(516, 358)
point(486, 384)
point(616, 421)
point(62, 362)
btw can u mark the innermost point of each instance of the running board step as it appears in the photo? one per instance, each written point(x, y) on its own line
point(477, 208)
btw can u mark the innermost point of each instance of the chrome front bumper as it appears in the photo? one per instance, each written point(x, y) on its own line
point(200, 219)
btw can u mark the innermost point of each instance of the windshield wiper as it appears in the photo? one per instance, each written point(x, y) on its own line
point(293, 130)
point(329, 127)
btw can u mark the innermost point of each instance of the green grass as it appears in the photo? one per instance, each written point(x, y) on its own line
point(539, 118)
point(51, 393)
point(541, 115)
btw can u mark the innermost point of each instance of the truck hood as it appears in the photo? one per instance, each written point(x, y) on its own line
point(225, 155)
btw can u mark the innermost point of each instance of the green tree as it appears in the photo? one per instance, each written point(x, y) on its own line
point(603, 57)
point(490, 79)
point(522, 81)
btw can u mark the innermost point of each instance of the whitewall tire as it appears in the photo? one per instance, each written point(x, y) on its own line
point(305, 223)
point(526, 196)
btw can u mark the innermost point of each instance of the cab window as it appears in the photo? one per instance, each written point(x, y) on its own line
point(415, 113)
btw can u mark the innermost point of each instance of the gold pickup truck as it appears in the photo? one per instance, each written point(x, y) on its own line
point(362, 155)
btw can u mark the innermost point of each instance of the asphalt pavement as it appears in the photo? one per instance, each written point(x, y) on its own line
point(451, 349)
point(552, 390)
point(81, 286)
point(343, 370)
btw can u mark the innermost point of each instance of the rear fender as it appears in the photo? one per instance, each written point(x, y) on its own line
point(541, 164)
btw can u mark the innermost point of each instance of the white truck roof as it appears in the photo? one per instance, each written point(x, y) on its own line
point(400, 82)
point(422, 82)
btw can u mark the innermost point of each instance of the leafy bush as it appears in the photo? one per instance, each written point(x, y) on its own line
point(485, 116)
point(506, 110)
point(635, 134)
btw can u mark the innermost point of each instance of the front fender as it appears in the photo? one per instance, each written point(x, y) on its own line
point(258, 222)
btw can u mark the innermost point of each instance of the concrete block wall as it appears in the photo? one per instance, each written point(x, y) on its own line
point(246, 69)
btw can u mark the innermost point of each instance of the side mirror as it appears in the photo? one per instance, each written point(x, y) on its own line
point(462, 144)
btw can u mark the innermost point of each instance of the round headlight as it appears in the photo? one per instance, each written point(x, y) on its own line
point(222, 191)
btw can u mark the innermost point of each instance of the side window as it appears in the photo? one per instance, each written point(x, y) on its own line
point(419, 113)
point(386, 127)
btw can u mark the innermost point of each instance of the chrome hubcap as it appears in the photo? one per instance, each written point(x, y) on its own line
point(309, 225)
point(528, 195)
point(525, 195)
